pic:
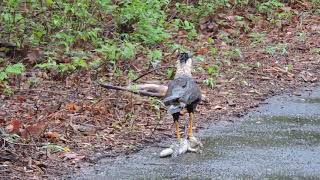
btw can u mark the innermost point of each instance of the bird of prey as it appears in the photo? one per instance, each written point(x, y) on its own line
point(183, 93)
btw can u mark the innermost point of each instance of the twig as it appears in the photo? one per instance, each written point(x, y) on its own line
point(21, 144)
point(42, 90)
point(140, 92)
point(148, 72)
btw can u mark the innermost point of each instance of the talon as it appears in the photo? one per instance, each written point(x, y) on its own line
point(194, 142)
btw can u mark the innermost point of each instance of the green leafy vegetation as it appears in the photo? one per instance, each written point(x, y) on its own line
point(315, 50)
point(104, 34)
point(277, 49)
point(269, 6)
point(55, 148)
point(210, 82)
point(11, 70)
point(154, 57)
point(257, 37)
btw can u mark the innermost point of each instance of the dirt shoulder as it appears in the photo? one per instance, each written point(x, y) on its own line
point(73, 122)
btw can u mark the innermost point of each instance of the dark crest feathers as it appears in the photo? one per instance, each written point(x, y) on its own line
point(183, 57)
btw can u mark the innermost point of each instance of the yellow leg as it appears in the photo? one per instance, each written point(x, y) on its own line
point(177, 130)
point(191, 116)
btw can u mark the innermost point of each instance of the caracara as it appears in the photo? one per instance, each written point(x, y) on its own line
point(183, 93)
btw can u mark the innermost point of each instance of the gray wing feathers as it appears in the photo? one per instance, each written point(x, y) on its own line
point(176, 90)
point(181, 92)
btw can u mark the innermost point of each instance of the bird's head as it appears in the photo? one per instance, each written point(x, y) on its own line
point(183, 58)
point(184, 64)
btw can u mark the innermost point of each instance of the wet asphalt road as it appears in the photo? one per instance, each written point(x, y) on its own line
point(279, 140)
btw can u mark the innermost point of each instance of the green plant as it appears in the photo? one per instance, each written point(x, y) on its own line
point(257, 37)
point(132, 75)
point(277, 49)
point(278, 18)
point(51, 64)
point(154, 57)
point(269, 6)
point(232, 53)
point(129, 116)
point(199, 58)
point(178, 47)
point(315, 50)
point(12, 138)
point(156, 105)
point(110, 51)
point(210, 40)
point(55, 148)
point(186, 25)
point(213, 70)
point(192, 34)
point(317, 12)
point(225, 37)
point(289, 68)
point(15, 69)
point(302, 36)
point(213, 51)
point(210, 82)
point(196, 11)
point(170, 73)
point(8, 91)
point(128, 50)
point(79, 63)
point(10, 70)
point(315, 3)
point(238, 18)
point(95, 64)
point(144, 19)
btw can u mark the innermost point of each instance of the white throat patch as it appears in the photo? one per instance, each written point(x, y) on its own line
point(184, 69)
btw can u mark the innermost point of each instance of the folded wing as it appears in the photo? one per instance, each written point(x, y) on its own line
point(182, 91)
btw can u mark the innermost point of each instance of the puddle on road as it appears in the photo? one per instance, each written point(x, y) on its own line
point(308, 100)
point(293, 120)
point(264, 132)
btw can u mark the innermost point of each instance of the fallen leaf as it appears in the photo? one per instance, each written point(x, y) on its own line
point(35, 130)
point(72, 107)
point(21, 99)
point(85, 129)
point(307, 76)
point(315, 28)
point(2, 122)
point(14, 126)
point(202, 51)
point(181, 33)
point(72, 156)
point(52, 135)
